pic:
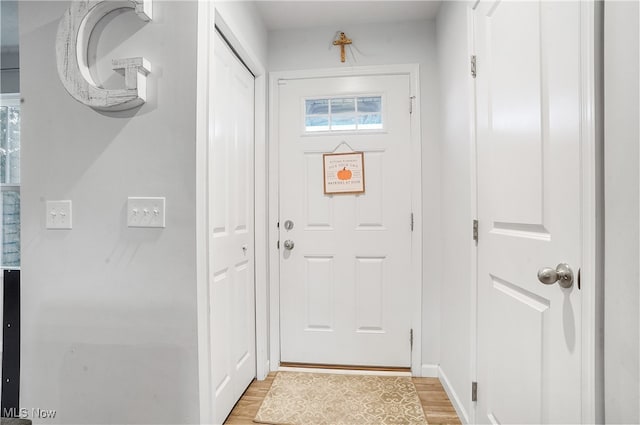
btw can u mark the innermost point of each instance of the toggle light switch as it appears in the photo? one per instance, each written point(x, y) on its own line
point(145, 212)
point(59, 215)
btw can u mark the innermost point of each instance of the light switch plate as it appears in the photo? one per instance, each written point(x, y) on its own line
point(145, 212)
point(59, 215)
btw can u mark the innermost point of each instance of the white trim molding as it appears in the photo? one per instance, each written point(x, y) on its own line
point(592, 268)
point(208, 19)
point(413, 71)
point(10, 99)
point(261, 266)
point(344, 371)
point(453, 397)
point(473, 246)
point(429, 371)
point(204, 79)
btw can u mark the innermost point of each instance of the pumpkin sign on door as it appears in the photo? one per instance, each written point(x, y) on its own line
point(343, 173)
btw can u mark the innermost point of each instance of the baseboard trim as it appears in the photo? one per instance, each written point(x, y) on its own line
point(362, 372)
point(261, 374)
point(273, 366)
point(344, 367)
point(453, 397)
point(429, 371)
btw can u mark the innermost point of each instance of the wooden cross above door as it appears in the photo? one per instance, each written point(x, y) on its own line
point(342, 41)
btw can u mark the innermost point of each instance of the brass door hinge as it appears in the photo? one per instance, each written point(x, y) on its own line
point(475, 230)
point(473, 66)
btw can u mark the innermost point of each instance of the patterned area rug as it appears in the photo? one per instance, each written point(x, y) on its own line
point(297, 398)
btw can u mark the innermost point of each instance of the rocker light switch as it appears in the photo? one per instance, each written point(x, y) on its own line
point(145, 212)
point(59, 215)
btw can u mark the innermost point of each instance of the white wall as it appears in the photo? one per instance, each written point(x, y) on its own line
point(456, 200)
point(109, 312)
point(245, 22)
point(384, 44)
point(622, 295)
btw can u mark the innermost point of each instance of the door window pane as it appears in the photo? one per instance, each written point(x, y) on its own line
point(370, 122)
point(317, 106)
point(10, 180)
point(339, 106)
point(343, 122)
point(370, 104)
point(343, 114)
point(10, 144)
point(317, 123)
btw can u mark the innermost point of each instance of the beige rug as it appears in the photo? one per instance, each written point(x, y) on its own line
point(297, 398)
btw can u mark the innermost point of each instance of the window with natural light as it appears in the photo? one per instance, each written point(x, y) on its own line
point(10, 180)
point(354, 113)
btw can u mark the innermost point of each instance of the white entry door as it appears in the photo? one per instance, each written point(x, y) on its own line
point(232, 304)
point(529, 210)
point(345, 283)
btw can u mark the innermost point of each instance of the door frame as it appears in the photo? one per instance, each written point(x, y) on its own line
point(411, 70)
point(208, 19)
point(592, 183)
point(592, 190)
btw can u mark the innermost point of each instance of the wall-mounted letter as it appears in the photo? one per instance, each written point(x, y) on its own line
point(74, 32)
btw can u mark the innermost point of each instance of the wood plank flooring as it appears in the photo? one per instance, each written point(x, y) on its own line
point(436, 404)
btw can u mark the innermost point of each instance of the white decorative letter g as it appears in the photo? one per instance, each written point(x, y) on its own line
point(74, 32)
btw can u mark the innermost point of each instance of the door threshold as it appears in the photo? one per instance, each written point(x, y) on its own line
point(344, 369)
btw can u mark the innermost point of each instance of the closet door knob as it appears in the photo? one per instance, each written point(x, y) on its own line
point(562, 274)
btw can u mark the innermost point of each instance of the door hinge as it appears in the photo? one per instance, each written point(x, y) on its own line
point(278, 245)
point(411, 104)
point(475, 230)
point(411, 222)
point(411, 338)
point(473, 66)
point(474, 391)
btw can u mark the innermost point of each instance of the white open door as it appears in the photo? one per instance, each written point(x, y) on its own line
point(346, 285)
point(529, 210)
point(231, 280)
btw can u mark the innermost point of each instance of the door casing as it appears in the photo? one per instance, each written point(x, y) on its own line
point(416, 194)
point(208, 19)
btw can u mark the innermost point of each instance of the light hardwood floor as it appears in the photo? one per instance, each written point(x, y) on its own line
point(436, 404)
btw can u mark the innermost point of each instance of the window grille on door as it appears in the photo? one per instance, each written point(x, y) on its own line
point(355, 113)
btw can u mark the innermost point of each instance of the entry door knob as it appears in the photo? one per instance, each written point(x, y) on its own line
point(562, 274)
point(288, 244)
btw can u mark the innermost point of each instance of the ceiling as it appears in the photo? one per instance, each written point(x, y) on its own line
point(278, 15)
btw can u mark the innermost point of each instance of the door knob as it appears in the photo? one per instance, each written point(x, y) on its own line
point(288, 244)
point(562, 274)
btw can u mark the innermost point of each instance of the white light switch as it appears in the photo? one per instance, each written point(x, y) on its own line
point(59, 215)
point(145, 212)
